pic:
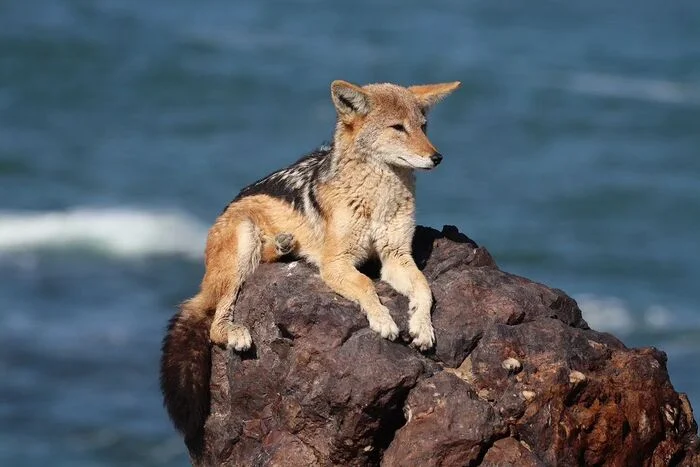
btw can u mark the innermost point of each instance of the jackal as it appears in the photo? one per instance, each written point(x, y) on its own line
point(340, 205)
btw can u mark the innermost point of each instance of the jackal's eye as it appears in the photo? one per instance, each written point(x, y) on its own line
point(399, 127)
point(424, 127)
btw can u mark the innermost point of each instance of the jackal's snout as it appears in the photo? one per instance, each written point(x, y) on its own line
point(428, 157)
point(436, 158)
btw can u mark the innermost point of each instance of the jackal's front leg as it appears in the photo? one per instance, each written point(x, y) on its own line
point(400, 271)
point(340, 274)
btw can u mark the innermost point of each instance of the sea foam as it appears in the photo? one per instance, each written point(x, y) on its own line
point(118, 232)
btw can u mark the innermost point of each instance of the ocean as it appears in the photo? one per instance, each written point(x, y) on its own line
point(572, 152)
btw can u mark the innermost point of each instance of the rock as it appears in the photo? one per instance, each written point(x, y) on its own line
point(516, 378)
point(449, 424)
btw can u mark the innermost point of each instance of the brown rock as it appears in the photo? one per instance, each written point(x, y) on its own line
point(448, 424)
point(319, 388)
point(507, 452)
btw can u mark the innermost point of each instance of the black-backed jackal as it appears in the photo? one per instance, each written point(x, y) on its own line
point(335, 208)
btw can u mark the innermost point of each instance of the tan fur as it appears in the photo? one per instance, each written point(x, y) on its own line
point(354, 201)
point(368, 210)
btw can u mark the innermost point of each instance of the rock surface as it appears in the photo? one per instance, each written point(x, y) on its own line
point(516, 378)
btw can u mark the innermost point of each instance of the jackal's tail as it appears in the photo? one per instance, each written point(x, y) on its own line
point(185, 369)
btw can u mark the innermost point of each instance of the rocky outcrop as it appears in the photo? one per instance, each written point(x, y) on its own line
point(516, 378)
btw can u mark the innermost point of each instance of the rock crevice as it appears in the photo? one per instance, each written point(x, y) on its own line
point(516, 378)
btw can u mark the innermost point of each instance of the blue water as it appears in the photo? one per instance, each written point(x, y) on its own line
point(572, 153)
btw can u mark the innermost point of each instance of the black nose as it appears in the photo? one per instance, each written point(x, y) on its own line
point(436, 158)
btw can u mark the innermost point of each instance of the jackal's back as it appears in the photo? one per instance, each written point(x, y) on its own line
point(296, 184)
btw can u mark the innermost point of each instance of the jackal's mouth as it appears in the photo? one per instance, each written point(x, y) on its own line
point(412, 165)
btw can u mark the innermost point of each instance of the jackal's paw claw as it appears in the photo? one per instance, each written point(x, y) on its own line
point(239, 338)
point(284, 243)
point(384, 325)
point(421, 329)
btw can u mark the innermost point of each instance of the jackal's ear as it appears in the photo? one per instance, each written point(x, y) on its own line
point(349, 100)
point(429, 94)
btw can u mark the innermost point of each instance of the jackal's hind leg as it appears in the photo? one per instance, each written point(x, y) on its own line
point(230, 273)
point(225, 332)
point(284, 243)
point(280, 245)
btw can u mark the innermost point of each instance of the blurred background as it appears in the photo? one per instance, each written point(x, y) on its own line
point(572, 153)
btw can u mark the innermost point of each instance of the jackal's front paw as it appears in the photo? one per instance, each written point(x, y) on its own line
point(421, 329)
point(383, 323)
point(284, 243)
point(239, 338)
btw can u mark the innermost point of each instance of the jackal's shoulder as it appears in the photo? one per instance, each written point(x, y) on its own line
point(295, 184)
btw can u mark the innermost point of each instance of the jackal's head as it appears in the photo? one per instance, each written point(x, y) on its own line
point(387, 122)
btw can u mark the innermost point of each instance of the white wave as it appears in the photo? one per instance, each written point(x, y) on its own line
point(614, 315)
point(657, 90)
point(606, 313)
point(120, 232)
